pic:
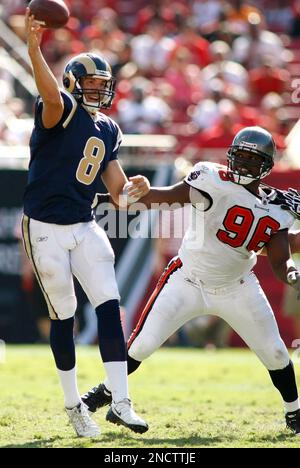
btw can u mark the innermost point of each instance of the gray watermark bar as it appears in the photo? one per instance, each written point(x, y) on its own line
point(174, 222)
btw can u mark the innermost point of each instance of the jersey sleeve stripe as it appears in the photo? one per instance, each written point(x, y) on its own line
point(119, 140)
point(172, 267)
point(74, 107)
point(28, 249)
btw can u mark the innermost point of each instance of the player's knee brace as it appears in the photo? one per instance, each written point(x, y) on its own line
point(142, 347)
point(62, 343)
point(110, 332)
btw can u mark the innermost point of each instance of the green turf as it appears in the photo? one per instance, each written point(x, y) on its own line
point(191, 398)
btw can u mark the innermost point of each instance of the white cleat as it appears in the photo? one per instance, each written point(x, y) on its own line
point(81, 421)
point(122, 413)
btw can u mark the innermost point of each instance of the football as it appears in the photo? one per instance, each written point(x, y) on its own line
point(50, 13)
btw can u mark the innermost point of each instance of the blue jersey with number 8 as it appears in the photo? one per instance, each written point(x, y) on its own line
point(66, 163)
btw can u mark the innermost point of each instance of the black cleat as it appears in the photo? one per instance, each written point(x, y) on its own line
point(293, 422)
point(97, 397)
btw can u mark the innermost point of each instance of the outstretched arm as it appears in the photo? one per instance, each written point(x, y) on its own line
point(46, 82)
point(115, 180)
point(174, 194)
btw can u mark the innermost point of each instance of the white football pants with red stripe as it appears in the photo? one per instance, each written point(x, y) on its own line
point(243, 305)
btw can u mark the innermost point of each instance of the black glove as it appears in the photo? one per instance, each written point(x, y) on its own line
point(289, 200)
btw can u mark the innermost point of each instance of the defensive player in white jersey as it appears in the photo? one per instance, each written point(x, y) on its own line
point(240, 216)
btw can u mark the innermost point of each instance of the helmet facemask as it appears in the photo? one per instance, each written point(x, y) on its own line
point(237, 164)
point(105, 94)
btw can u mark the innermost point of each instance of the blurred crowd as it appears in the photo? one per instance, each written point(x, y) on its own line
point(197, 69)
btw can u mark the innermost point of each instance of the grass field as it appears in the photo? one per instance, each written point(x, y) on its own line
point(191, 398)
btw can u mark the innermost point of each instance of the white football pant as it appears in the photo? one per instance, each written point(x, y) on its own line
point(243, 305)
point(58, 252)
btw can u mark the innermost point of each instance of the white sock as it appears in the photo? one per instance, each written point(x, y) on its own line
point(68, 380)
point(291, 407)
point(107, 384)
point(118, 382)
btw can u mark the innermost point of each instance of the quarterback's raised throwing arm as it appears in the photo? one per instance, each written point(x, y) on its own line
point(46, 82)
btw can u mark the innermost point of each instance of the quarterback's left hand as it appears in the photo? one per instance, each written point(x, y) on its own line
point(290, 200)
point(293, 279)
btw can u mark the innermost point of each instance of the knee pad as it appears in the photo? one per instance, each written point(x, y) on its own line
point(276, 356)
point(142, 347)
point(60, 307)
point(66, 307)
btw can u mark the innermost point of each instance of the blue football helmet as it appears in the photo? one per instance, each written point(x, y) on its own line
point(89, 65)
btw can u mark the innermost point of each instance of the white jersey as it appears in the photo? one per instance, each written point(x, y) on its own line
point(237, 225)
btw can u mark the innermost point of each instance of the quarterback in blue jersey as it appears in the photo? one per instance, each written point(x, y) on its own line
point(72, 145)
point(67, 161)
